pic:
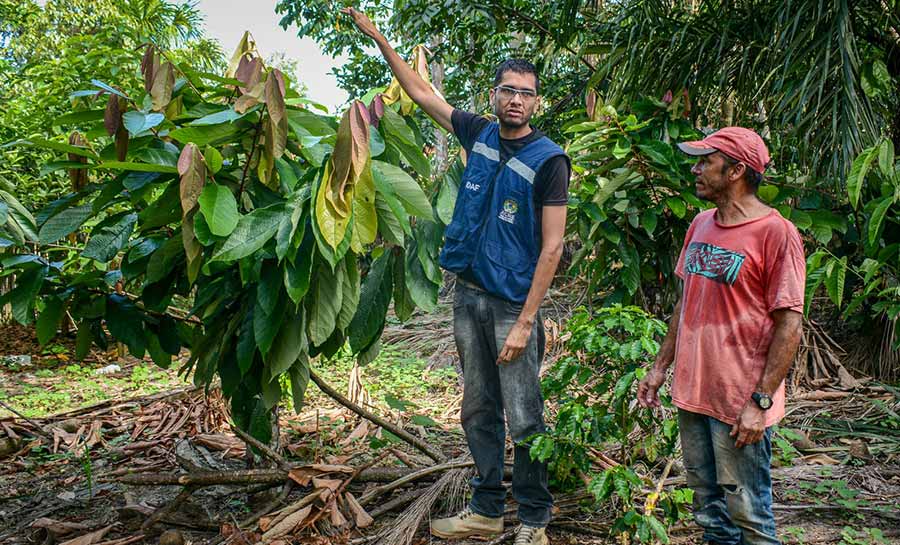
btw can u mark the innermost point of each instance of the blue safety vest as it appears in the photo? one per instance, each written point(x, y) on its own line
point(494, 229)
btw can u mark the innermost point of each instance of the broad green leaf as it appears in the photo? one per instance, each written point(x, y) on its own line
point(218, 206)
point(23, 296)
point(886, 159)
point(136, 167)
point(213, 159)
point(878, 218)
point(875, 78)
point(57, 146)
point(64, 223)
point(299, 374)
point(421, 290)
point(297, 272)
point(108, 88)
point(677, 206)
point(401, 136)
point(835, 276)
point(857, 176)
point(252, 232)
point(268, 311)
point(137, 122)
point(287, 346)
point(365, 217)
point(801, 219)
point(350, 287)
point(225, 116)
point(110, 236)
point(403, 303)
point(394, 180)
point(323, 305)
point(75, 118)
point(648, 221)
point(48, 321)
point(82, 341)
point(767, 192)
point(209, 134)
point(125, 323)
point(389, 225)
point(446, 201)
point(375, 297)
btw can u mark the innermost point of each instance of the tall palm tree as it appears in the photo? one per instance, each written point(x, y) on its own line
point(825, 74)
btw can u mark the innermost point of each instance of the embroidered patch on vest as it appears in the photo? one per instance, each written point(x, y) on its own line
point(508, 214)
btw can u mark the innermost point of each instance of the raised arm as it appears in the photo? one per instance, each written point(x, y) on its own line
point(418, 89)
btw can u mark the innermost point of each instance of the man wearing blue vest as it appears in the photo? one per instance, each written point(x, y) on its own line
point(504, 245)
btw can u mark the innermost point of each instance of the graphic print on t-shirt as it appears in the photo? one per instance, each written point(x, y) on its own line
point(713, 262)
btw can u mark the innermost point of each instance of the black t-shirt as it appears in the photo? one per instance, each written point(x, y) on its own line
point(551, 182)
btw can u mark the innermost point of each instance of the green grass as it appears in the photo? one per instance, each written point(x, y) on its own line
point(58, 389)
point(396, 374)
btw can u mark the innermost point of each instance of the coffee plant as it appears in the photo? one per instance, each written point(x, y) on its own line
point(594, 387)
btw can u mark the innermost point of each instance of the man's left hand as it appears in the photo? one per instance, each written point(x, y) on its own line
point(515, 343)
point(750, 425)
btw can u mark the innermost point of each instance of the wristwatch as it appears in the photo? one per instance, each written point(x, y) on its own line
point(762, 400)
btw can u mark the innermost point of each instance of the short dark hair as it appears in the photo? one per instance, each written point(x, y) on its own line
point(519, 66)
point(754, 178)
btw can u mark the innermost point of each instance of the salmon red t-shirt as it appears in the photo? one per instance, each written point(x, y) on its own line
point(734, 276)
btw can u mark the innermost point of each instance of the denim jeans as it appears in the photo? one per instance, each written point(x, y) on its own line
point(481, 323)
point(732, 487)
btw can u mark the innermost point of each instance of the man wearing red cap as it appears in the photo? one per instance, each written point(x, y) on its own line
point(732, 336)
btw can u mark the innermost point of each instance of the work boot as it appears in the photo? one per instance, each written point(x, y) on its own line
point(466, 524)
point(530, 535)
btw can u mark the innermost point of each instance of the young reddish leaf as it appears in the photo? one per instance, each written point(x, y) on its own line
point(249, 72)
point(163, 82)
point(192, 170)
point(112, 118)
point(376, 109)
point(350, 157)
point(276, 134)
point(245, 46)
point(78, 176)
point(149, 67)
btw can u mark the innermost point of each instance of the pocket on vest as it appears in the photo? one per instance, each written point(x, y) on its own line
point(507, 258)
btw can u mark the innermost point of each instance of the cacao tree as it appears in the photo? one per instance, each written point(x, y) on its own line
point(229, 215)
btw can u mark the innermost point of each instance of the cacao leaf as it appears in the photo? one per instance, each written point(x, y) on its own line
point(252, 232)
point(365, 216)
point(403, 303)
point(249, 72)
point(193, 249)
point(48, 321)
point(218, 206)
point(109, 236)
point(245, 46)
point(299, 373)
point(149, 67)
point(331, 225)
point(64, 223)
point(351, 291)
point(287, 346)
point(396, 93)
point(137, 122)
point(125, 323)
point(323, 306)
point(393, 180)
point(163, 83)
point(375, 297)
point(112, 117)
point(276, 138)
point(269, 310)
point(192, 170)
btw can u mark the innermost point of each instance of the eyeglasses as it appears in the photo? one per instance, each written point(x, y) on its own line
point(508, 93)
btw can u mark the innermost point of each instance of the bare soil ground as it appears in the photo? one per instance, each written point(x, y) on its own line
point(62, 466)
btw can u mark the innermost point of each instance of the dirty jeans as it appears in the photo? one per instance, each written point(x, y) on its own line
point(481, 323)
point(732, 487)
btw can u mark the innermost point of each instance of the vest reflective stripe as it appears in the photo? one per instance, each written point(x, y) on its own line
point(521, 169)
point(482, 149)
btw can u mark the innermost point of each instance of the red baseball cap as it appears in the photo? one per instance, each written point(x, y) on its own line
point(738, 143)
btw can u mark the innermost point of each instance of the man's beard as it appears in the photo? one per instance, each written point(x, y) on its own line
point(508, 123)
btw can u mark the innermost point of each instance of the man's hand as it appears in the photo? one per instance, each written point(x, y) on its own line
point(515, 343)
point(648, 387)
point(750, 425)
point(362, 22)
